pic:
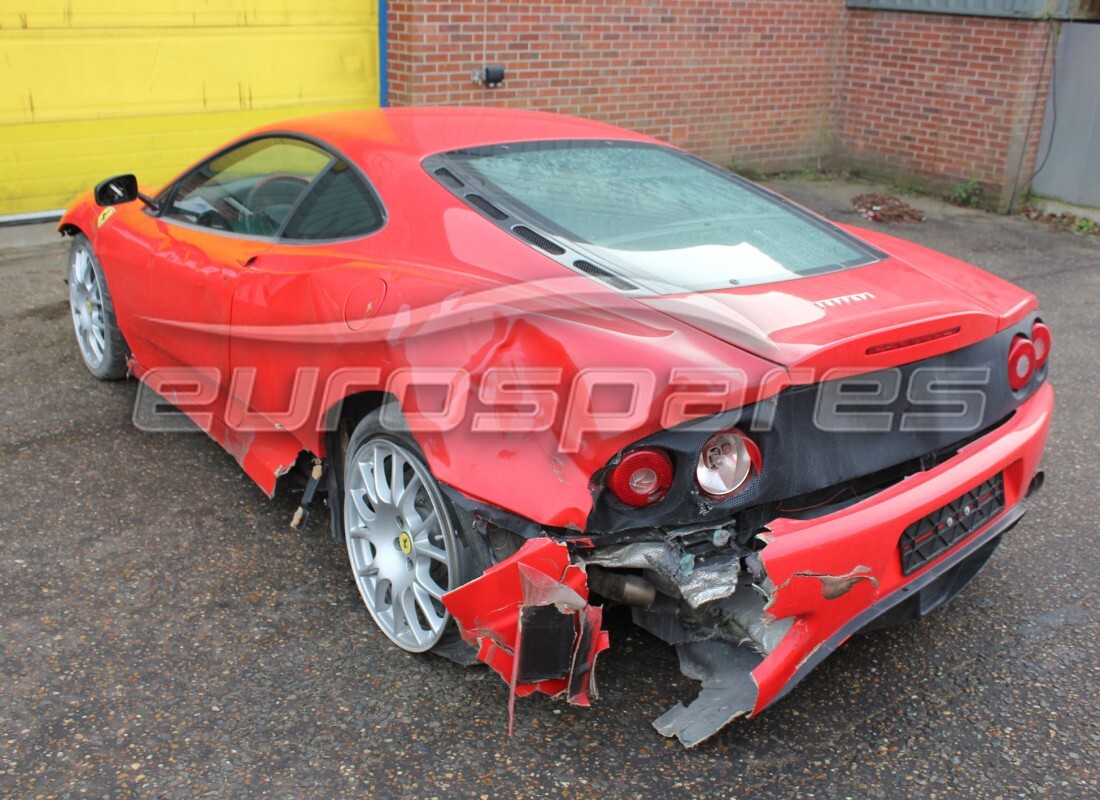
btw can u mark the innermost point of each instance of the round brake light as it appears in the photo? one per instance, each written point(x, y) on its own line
point(1021, 362)
point(1040, 339)
point(726, 462)
point(641, 477)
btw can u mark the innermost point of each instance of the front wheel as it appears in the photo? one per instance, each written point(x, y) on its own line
point(101, 343)
point(401, 535)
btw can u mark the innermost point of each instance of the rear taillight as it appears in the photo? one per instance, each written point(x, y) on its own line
point(641, 477)
point(1021, 362)
point(1040, 340)
point(726, 463)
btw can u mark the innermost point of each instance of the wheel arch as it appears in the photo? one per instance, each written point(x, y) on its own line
point(340, 419)
point(81, 217)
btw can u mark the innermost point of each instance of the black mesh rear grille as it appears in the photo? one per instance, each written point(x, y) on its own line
point(939, 531)
point(602, 274)
point(486, 206)
point(528, 235)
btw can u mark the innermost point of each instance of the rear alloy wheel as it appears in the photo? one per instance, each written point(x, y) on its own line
point(401, 539)
point(100, 341)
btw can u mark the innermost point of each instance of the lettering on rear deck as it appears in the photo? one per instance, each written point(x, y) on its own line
point(844, 299)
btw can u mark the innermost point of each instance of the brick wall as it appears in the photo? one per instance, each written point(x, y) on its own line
point(733, 80)
point(762, 83)
point(944, 98)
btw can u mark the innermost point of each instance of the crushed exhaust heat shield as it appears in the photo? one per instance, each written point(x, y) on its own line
point(529, 619)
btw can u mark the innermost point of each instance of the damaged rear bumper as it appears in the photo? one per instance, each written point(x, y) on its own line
point(869, 534)
point(729, 672)
point(762, 620)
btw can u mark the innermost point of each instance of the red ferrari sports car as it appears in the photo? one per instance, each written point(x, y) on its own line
point(534, 364)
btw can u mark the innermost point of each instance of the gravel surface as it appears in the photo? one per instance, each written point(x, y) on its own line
point(165, 634)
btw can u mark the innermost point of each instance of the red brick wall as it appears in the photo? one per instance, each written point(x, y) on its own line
point(763, 83)
point(946, 98)
point(744, 80)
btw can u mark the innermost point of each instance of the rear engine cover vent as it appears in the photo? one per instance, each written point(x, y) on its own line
point(486, 206)
point(525, 233)
point(448, 177)
point(602, 274)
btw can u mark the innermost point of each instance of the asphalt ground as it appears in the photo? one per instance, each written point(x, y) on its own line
point(165, 634)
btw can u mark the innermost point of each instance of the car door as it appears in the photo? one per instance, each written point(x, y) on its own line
point(212, 225)
point(290, 309)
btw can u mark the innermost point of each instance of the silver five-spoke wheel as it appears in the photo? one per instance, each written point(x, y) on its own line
point(401, 542)
point(86, 304)
point(101, 343)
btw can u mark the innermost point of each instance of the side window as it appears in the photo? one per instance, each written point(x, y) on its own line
point(250, 189)
point(340, 205)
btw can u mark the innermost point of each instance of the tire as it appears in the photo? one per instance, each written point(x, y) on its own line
point(404, 544)
point(101, 344)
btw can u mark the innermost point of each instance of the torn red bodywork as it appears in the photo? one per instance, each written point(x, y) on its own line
point(861, 543)
point(499, 614)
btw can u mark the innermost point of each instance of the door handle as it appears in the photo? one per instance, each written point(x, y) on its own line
point(248, 260)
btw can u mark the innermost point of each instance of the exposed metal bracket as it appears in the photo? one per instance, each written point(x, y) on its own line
point(301, 516)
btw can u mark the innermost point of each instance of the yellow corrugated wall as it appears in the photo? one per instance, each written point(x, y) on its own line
point(92, 88)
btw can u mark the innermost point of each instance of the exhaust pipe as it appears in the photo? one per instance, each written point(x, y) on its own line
point(622, 587)
point(1036, 483)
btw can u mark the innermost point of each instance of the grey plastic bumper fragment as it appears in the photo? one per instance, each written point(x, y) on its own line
point(728, 690)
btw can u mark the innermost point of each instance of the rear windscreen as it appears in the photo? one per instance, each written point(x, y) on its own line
point(666, 220)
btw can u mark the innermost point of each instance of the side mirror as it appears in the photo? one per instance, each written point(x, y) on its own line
point(116, 190)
